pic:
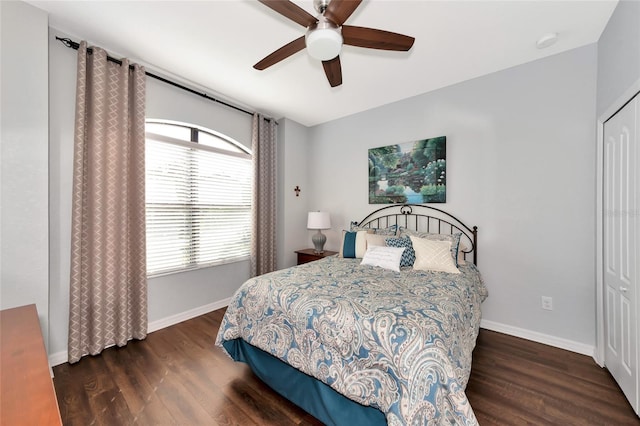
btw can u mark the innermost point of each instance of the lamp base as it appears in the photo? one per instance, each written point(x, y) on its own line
point(318, 242)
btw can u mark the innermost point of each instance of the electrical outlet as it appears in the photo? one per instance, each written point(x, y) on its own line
point(547, 303)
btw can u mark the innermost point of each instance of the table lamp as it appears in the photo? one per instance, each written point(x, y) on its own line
point(319, 221)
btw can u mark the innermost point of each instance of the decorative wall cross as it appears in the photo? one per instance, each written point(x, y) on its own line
point(297, 190)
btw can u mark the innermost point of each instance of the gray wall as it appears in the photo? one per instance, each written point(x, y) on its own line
point(24, 231)
point(520, 166)
point(619, 54)
point(293, 171)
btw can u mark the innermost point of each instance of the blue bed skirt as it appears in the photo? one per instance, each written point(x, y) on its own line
point(310, 394)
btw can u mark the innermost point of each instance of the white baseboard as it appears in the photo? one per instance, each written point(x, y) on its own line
point(187, 315)
point(63, 356)
point(57, 359)
point(570, 345)
point(534, 336)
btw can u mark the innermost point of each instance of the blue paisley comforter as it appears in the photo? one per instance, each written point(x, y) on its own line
point(397, 341)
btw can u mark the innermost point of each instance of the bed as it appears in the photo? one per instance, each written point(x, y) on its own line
point(360, 342)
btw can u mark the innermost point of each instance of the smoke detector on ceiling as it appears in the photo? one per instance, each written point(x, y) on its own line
point(547, 40)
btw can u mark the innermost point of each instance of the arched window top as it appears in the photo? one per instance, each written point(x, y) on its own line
point(192, 133)
point(198, 198)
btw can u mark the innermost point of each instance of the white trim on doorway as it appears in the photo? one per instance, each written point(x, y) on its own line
point(610, 112)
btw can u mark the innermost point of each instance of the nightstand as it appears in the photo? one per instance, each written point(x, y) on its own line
point(308, 255)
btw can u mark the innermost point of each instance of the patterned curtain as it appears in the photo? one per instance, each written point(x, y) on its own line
point(108, 295)
point(263, 237)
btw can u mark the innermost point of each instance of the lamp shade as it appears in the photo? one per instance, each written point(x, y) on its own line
point(319, 220)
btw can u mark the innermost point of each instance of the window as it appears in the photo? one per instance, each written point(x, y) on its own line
point(198, 198)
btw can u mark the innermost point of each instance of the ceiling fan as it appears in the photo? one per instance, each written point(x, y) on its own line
point(326, 34)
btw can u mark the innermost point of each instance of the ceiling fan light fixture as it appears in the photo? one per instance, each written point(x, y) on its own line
point(324, 40)
point(326, 34)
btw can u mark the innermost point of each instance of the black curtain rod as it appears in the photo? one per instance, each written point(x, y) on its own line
point(74, 45)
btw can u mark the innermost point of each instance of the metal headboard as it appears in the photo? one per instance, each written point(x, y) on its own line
point(419, 217)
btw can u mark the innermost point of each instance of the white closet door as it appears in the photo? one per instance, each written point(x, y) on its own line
point(621, 252)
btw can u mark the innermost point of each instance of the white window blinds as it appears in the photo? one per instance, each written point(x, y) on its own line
point(198, 200)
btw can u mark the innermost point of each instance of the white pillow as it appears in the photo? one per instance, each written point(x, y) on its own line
point(433, 255)
point(384, 257)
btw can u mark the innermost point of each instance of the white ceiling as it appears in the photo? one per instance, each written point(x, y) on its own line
point(214, 44)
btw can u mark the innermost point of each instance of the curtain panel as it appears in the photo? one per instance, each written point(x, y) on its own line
point(263, 236)
point(108, 288)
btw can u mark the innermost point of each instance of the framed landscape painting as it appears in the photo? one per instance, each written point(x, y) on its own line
point(411, 172)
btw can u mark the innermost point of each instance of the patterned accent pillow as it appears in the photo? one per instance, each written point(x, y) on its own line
point(409, 255)
point(454, 239)
point(389, 230)
point(392, 231)
point(354, 244)
point(355, 228)
point(462, 248)
point(433, 255)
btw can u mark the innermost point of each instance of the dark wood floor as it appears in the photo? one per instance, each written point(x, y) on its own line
point(176, 376)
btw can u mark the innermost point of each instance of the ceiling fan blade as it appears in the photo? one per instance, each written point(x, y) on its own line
point(339, 11)
point(291, 10)
point(375, 39)
point(283, 53)
point(333, 70)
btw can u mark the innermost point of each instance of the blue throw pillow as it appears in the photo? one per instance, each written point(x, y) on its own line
point(409, 256)
point(354, 244)
point(349, 244)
